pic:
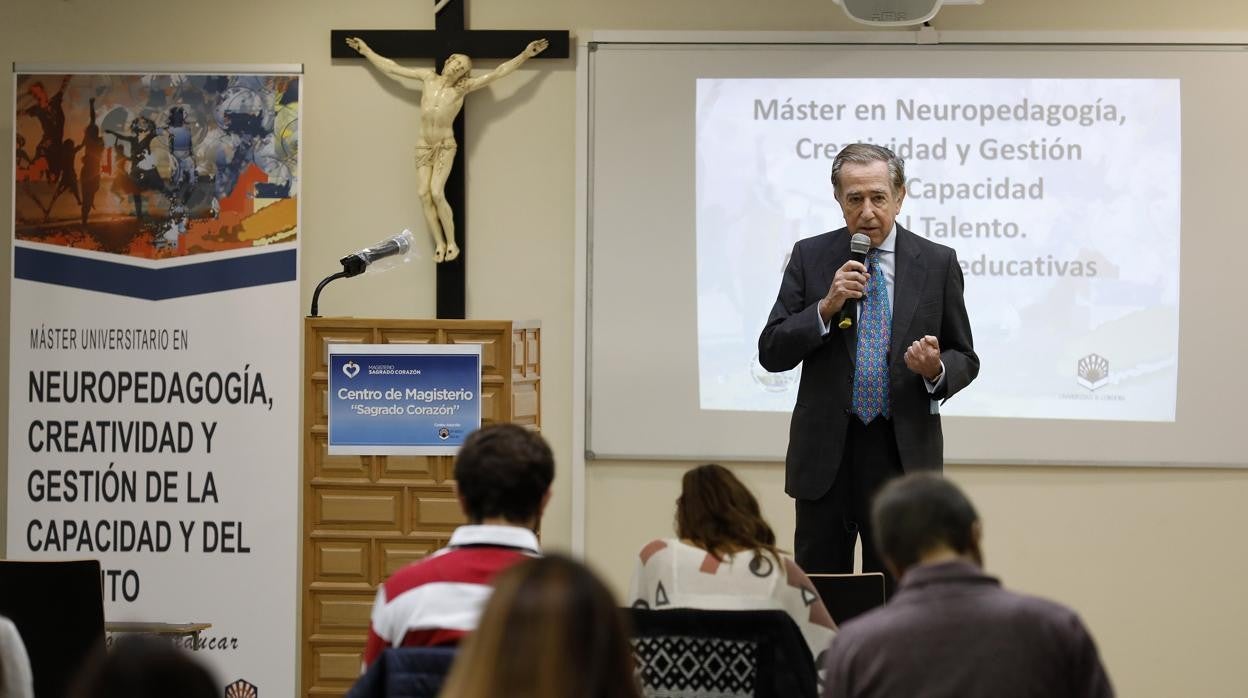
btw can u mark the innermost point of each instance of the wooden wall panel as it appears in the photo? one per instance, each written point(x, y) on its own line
point(373, 509)
point(319, 398)
point(492, 362)
point(325, 466)
point(366, 516)
point(338, 665)
point(517, 353)
point(410, 468)
point(399, 335)
point(532, 353)
point(325, 336)
point(393, 554)
point(491, 405)
point(524, 404)
point(433, 510)
point(342, 560)
point(336, 612)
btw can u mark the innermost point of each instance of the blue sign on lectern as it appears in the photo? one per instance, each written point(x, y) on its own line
point(388, 399)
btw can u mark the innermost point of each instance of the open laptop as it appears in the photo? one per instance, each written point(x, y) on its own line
point(849, 595)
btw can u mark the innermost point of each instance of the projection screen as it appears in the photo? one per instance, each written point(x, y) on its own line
point(1090, 193)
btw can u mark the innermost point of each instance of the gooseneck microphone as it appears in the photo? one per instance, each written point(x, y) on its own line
point(859, 246)
point(355, 264)
point(394, 249)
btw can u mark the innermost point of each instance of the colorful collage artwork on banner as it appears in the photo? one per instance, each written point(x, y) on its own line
point(156, 165)
point(154, 344)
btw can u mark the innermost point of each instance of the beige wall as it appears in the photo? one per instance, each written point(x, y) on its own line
point(1151, 558)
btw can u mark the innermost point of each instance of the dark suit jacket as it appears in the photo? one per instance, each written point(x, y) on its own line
point(951, 631)
point(927, 299)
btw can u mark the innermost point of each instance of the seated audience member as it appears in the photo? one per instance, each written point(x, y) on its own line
point(16, 680)
point(139, 666)
point(952, 630)
point(551, 630)
point(725, 558)
point(502, 474)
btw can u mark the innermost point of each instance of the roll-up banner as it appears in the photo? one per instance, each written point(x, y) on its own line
point(154, 351)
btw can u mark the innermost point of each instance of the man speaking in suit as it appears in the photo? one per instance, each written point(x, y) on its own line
point(882, 341)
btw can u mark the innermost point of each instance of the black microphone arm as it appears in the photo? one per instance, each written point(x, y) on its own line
point(356, 263)
point(859, 246)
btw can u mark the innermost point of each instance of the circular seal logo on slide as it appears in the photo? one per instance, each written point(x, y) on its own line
point(444, 433)
point(773, 382)
point(1093, 371)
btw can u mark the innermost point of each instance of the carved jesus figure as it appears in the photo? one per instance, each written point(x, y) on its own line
point(442, 96)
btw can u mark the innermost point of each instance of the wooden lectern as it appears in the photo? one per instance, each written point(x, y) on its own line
point(366, 516)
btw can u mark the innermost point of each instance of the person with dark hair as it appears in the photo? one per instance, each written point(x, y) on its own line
point(502, 477)
point(725, 558)
point(551, 630)
point(882, 342)
point(952, 631)
point(139, 666)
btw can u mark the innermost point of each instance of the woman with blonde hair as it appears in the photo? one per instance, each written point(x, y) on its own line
point(724, 557)
point(550, 630)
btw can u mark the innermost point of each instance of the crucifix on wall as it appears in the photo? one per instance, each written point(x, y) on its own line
point(439, 160)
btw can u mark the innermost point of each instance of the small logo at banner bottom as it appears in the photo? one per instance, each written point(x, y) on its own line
point(1093, 371)
point(444, 433)
point(241, 689)
point(351, 369)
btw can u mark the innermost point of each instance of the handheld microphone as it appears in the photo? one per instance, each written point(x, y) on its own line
point(859, 246)
point(395, 245)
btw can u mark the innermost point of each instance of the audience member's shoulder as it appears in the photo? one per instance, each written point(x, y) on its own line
point(880, 621)
point(414, 574)
point(474, 565)
point(885, 625)
point(1046, 613)
point(795, 574)
point(656, 550)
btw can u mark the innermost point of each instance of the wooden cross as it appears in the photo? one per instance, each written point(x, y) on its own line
point(449, 37)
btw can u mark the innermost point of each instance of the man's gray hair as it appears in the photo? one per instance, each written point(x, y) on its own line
point(865, 154)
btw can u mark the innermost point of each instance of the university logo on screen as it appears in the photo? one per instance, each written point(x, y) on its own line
point(1093, 371)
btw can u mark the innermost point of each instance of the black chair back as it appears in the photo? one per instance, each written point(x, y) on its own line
point(693, 652)
point(58, 607)
point(849, 595)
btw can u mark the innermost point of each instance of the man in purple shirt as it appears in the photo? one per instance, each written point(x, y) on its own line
point(951, 630)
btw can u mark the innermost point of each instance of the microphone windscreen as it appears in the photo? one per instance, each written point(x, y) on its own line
point(860, 244)
point(394, 245)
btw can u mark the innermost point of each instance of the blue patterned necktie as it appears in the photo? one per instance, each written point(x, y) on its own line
point(874, 323)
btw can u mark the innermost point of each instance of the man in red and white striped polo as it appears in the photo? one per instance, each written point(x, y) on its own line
point(503, 474)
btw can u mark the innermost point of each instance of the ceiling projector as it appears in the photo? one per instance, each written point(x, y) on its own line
point(896, 13)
